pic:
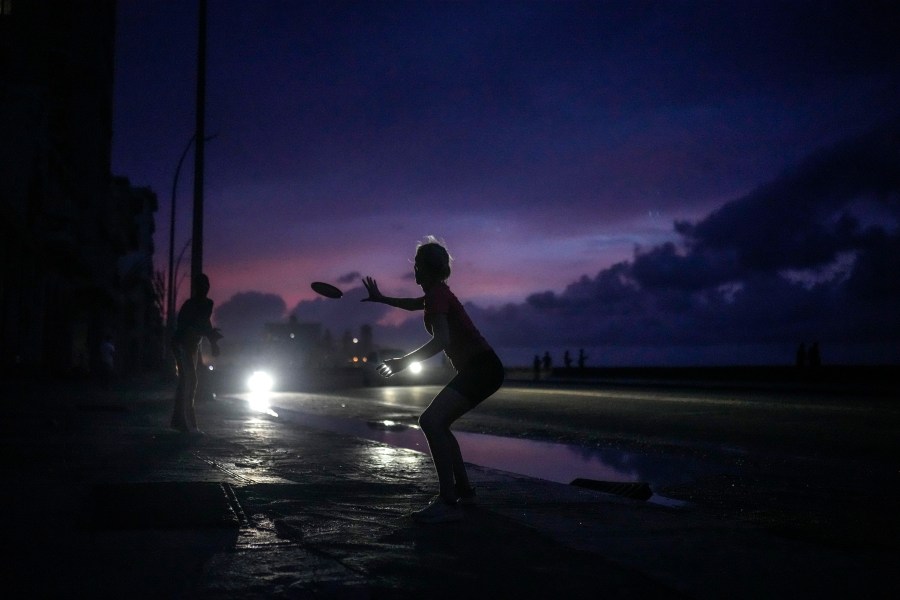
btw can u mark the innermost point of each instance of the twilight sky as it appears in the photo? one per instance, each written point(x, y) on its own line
point(655, 182)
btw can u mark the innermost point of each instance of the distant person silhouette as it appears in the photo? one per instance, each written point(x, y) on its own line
point(107, 360)
point(567, 360)
point(582, 358)
point(813, 356)
point(479, 374)
point(548, 362)
point(537, 367)
point(192, 326)
point(800, 359)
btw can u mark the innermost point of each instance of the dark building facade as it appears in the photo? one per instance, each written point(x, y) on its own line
point(76, 243)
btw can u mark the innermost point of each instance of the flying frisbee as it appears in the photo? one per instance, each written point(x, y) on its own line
point(326, 289)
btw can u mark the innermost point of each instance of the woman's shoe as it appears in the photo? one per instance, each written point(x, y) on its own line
point(467, 497)
point(438, 511)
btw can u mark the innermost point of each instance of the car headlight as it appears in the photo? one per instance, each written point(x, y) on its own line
point(260, 382)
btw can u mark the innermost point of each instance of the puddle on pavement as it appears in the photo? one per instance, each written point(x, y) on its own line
point(551, 461)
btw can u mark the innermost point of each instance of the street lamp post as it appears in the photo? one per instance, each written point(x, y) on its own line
point(170, 284)
point(178, 269)
point(199, 133)
point(197, 237)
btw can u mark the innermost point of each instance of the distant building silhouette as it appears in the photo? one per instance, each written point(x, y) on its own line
point(294, 344)
point(76, 242)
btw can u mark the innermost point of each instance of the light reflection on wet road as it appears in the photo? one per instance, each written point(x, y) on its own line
point(389, 415)
point(794, 458)
point(662, 436)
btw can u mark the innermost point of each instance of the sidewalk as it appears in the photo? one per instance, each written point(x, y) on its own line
point(102, 500)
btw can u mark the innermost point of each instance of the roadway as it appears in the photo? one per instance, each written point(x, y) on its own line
point(812, 465)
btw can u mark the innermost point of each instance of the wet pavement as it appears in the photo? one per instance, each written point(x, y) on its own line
point(102, 500)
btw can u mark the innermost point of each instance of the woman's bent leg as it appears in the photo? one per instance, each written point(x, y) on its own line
point(448, 406)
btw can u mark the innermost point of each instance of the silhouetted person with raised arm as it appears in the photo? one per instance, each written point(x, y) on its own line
point(192, 326)
point(479, 373)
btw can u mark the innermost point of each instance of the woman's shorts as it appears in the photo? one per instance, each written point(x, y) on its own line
point(482, 376)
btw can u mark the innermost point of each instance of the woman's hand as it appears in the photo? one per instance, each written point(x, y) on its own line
point(391, 366)
point(372, 287)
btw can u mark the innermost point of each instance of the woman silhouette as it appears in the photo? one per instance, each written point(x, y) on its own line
point(479, 374)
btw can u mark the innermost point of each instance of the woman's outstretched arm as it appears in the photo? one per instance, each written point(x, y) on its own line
point(376, 296)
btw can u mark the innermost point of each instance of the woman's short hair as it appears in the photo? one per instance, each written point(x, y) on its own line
point(432, 255)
